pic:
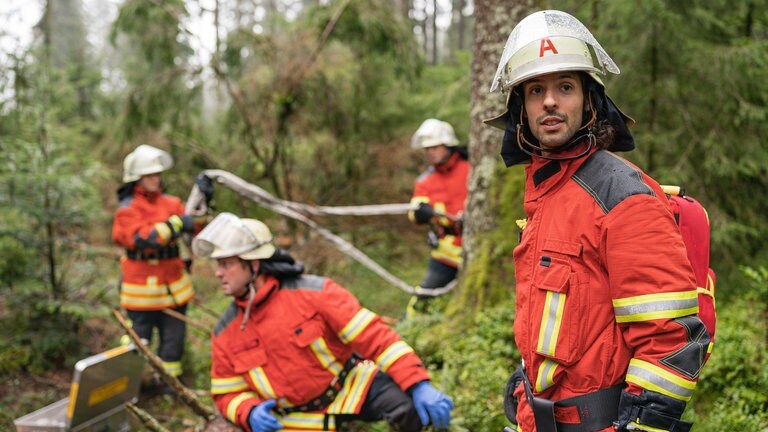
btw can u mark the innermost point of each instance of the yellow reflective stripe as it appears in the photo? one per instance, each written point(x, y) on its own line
point(152, 294)
point(261, 382)
point(325, 356)
point(643, 427)
point(551, 320)
point(300, 421)
point(710, 347)
point(350, 398)
point(656, 306)
point(363, 374)
point(652, 377)
point(228, 385)
point(173, 368)
point(415, 201)
point(235, 403)
point(390, 355)
point(356, 325)
point(163, 233)
point(446, 250)
point(546, 375)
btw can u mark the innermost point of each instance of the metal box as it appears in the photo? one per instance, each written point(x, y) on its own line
point(101, 386)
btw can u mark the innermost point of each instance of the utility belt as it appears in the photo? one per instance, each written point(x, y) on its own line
point(166, 252)
point(327, 396)
point(597, 410)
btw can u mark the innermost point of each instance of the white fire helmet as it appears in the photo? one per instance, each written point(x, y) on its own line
point(145, 160)
point(550, 41)
point(433, 133)
point(228, 235)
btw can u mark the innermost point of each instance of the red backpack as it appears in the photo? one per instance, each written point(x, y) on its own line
point(693, 221)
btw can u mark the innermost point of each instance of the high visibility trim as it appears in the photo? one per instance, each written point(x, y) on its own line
point(643, 427)
point(546, 375)
point(356, 325)
point(173, 368)
point(325, 356)
point(393, 353)
point(447, 251)
point(306, 421)
point(656, 306)
point(415, 201)
point(351, 397)
point(235, 403)
point(228, 385)
point(652, 377)
point(156, 296)
point(261, 382)
point(164, 234)
point(551, 321)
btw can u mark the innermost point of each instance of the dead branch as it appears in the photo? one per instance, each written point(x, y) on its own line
point(146, 418)
point(194, 323)
point(186, 395)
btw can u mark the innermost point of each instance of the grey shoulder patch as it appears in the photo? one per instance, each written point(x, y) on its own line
point(126, 202)
point(610, 180)
point(308, 282)
point(426, 174)
point(226, 318)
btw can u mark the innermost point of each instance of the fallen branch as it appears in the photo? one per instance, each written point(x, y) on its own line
point(186, 395)
point(194, 323)
point(146, 418)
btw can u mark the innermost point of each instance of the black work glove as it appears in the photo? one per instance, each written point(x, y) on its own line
point(179, 224)
point(205, 184)
point(423, 213)
point(652, 409)
point(510, 401)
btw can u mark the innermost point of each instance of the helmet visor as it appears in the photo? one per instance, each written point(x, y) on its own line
point(226, 236)
point(537, 27)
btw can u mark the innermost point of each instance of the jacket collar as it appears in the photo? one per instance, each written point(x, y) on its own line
point(544, 175)
point(450, 164)
point(270, 285)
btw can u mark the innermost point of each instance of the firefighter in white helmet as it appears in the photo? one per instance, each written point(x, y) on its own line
point(298, 352)
point(148, 224)
point(605, 317)
point(439, 195)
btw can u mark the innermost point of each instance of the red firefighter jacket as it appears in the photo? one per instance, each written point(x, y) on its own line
point(155, 279)
point(298, 336)
point(605, 293)
point(444, 187)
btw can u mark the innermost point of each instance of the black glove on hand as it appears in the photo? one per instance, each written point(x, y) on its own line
point(423, 213)
point(651, 409)
point(510, 401)
point(205, 185)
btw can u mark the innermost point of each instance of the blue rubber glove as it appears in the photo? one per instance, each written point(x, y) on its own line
point(261, 419)
point(432, 404)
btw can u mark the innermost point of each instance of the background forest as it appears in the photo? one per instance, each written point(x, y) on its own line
point(315, 101)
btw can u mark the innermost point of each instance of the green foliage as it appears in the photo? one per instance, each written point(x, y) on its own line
point(732, 393)
point(470, 360)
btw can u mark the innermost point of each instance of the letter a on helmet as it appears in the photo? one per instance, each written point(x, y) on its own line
point(549, 41)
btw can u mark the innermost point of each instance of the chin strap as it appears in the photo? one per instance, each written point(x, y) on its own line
point(585, 131)
point(251, 297)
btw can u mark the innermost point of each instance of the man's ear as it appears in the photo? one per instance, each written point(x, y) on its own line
point(255, 266)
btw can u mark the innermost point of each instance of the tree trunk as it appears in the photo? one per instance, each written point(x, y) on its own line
point(488, 238)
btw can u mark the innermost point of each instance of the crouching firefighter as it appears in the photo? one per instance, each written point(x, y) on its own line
point(297, 352)
point(606, 298)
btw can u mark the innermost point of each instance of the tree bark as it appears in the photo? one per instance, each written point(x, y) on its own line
point(485, 276)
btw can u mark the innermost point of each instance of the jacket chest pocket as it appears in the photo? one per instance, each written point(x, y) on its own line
point(561, 303)
point(308, 331)
point(247, 355)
